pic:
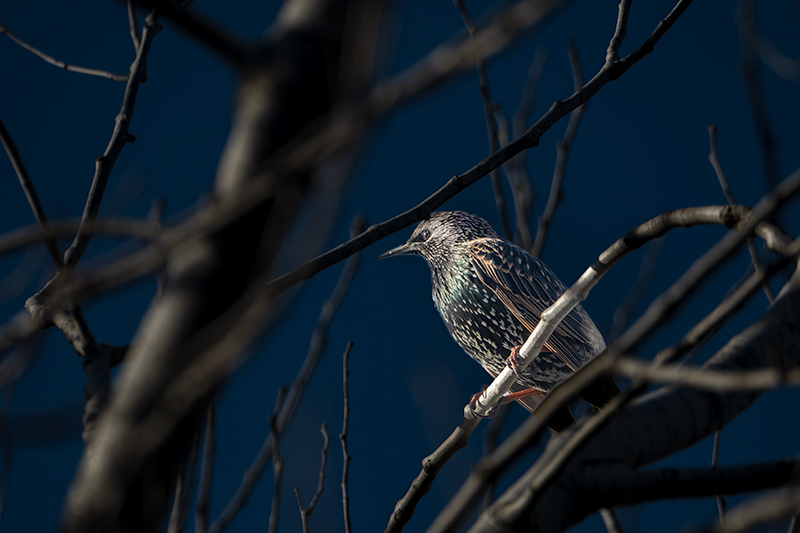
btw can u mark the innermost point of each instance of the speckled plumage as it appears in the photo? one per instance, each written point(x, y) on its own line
point(491, 293)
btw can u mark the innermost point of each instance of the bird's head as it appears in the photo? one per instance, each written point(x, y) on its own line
point(438, 238)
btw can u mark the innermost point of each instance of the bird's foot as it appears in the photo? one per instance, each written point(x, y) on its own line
point(473, 405)
point(513, 359)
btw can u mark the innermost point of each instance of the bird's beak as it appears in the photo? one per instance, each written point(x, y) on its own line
point(409, 248)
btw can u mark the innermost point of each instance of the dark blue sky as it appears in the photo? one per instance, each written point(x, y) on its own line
point(641, 149)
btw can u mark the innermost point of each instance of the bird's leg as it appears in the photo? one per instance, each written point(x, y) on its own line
point(507, 397)
point(511, 396)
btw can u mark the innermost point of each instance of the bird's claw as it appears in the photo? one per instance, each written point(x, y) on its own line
point(513, 359)
point(473, 405)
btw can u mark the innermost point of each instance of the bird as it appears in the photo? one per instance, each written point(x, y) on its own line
point(490, 294)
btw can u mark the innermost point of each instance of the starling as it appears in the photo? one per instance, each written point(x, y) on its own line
point(491, 293)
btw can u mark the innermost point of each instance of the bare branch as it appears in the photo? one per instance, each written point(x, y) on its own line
point(611, 521)
point(61, 64)
point(119, 138)
point(612, 54)
point(30, 192)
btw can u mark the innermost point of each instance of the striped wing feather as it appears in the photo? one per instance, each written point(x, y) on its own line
point(527, 287)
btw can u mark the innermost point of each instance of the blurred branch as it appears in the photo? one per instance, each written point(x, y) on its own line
point(237, 53)
point(611, 521)
point(562, 151)
point(713, 380)
point(460, 54)
point(61, 64)
point(756, 512)
point(27, 235)
point(491, 125)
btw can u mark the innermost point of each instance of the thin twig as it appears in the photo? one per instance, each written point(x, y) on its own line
point(134, 25)
point(30, 192)
point(206, 472)
point(61, 64)
point(713, 158)
point(303, 515)
point(343, 438)
point(491, 125)
point(305, 512)
point(119, 138)
point(321, 484)
point(562, 152)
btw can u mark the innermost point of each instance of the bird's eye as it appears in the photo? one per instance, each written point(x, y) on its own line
point(425, 235)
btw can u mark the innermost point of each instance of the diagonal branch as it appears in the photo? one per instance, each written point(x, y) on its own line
point(30, 192)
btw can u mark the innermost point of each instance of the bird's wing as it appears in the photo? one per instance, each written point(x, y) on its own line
point(527, 287)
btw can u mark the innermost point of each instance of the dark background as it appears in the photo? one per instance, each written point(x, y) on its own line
point(641, 149)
